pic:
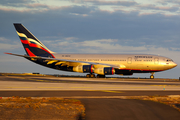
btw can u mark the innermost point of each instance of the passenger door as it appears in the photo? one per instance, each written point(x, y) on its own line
point(129, 60)
point(156, 61)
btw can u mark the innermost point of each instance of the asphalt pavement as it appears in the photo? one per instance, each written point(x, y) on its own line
point(103, 99)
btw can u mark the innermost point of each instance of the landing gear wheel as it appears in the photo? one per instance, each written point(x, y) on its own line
point(152, 77)
point(88, 75)
point(101, 76)
point(92, 75)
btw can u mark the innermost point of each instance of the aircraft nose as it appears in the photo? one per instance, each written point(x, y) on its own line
point(174, 64)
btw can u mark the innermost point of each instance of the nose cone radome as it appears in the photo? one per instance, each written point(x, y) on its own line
point(173, 64)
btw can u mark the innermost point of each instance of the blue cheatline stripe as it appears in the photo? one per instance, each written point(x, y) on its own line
point(33, 42)
point(23, 38)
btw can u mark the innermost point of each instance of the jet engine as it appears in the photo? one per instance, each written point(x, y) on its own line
point(105, 71)
point(83, 68)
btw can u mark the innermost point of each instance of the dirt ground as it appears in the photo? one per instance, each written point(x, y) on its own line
point(41, 109)
point(17, 108)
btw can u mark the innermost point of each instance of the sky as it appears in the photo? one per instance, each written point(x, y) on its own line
point(91, 26)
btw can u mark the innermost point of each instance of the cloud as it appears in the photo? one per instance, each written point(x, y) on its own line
point(156, 7)
point(109, 46)
point(67, 23)
point(3, 39)
point(97, 25)
point(37, 5)
point(84, 8)
point(113, 2)
point(15, 3)
point(105, 2)
point(17, 10)
point(4, 2)
point(5, 46)
point(98, 46)
point(71, 38)
point(166, 2)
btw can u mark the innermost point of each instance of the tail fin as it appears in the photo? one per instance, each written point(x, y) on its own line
point(32, 45)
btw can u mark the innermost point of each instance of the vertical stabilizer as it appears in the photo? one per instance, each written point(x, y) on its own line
point(32, 45)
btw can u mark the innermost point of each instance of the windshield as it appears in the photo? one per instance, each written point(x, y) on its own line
point(169, 60)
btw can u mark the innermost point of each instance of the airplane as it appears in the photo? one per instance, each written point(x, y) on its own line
point(100, 64)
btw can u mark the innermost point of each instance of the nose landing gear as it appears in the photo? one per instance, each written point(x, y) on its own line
point(152, 75)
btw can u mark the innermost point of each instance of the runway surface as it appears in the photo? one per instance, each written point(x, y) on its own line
point(103, 98)
point(120, 109)
point(55, 83)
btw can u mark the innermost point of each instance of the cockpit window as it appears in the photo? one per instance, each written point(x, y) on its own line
point(169, 60)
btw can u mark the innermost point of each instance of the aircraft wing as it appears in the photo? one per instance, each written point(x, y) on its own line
point(68, 62)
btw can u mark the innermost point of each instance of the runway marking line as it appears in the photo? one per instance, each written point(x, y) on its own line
point(137, 87)
point(167, 85)
point(18, 87)
point(31, 79)
point(50, 87)
point(15, 77)
point(81, 87)
point(111, 87)
point(79, 97)
point(111, 91)
point(40, 80)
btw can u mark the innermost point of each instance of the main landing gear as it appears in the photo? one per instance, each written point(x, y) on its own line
point(90, 76)
point(152, 76)
point(100, 76)
point(93, 76)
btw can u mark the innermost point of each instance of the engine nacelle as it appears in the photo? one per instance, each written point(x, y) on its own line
point(83, 68)
point(105, 71)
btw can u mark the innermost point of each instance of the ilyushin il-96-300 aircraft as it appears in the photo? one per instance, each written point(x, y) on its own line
point(100, 64)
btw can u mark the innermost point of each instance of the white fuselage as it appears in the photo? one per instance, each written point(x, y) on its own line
point(131, 62)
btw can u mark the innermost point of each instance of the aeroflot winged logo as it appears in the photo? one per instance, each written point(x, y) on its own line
point(32, 45)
